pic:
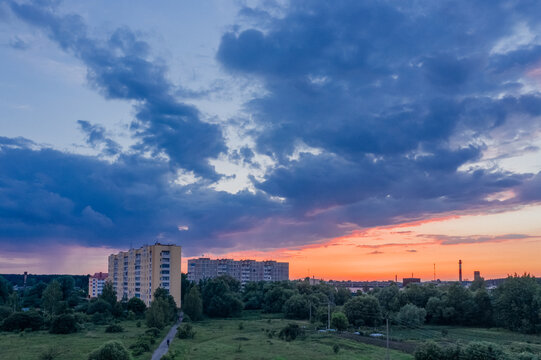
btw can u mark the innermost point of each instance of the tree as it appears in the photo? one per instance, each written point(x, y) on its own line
point(253, 295)
point(482, 351)
point(63, 324)
point(220, 297)
point(296, 307)
point(411, 316)
point(163, 294)
point(52, 296)
point(185, 286)
point(342, 295)
point(339, 321)
point(112, 350)
point(99, 306)
point(156, 315)
point(22, 320)
point(5, 289)
point(389, 299)
point(363, 310)
point(517, 304)
point(136, 305)
point(108, 293)
point(193, 304)
point(67, 283)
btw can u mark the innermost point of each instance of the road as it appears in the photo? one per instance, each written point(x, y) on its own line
point(163, 348)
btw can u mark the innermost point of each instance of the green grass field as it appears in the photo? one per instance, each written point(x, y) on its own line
point(223, 339)
point(511, 341)
point(77, 346)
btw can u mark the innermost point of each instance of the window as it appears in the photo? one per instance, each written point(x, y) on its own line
point(165, 284)
point(164, 266)
point(165, 272)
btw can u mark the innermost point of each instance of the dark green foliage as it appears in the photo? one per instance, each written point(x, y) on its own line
point(63, 324)
point(152, 332)
point(50, 353)
point(99, 306)
point(418, 294)
point(171, 313)
point(137, 306)
point(67, 284)
point(220, 297)
point(22, 320)
point(296, 307)
point(193, 304)
point(114, 328)
point(141, 345)
point(112, 350)
point(5, 311)
point(138, 324)
point(336, 348)
point(186, 331)
point(342, 295)
point(432, 351)
point(411, 316)
point(290, 332)
point(52, 296)
point(339, 321)
point(5, 290)
point(253, 295)
point(275, 297)
point(363, 310)
point(157, 313)
point(482, 351)
point(100, 318)
point(389, 299)
point(517, 304)
point(108, 293)
point(185, 286)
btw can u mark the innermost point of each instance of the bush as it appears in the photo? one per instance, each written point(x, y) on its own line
point(114, 328)
point(290, 332)
point(5, 311)
point(483, 351)
point(20, 321)
point(153, 332)
point(138, 324)
point(411, 316)
point(137, 306)
point(339, 321)
point(336, 348)
point(63, 324)
point(50, 353)
point(141, 346)
point(186, 332)
point(99, 319)
point(99, 306)
point(112, 350)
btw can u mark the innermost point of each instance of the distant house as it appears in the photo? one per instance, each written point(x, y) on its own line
point(96, 283)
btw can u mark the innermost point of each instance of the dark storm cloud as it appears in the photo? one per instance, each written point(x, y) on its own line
point(395, 100)
point(120, 68)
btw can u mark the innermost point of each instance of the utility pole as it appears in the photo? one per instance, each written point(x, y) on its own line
point(387, 337)
point(310, 318)
point(329, 315)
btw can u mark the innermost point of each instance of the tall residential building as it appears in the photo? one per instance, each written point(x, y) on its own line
point(139, 272)
point(95, 284)
point(242, 270)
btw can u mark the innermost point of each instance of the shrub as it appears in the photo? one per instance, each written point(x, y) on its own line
point(112, 350)
point(336, 348)
point(186, 332)
point(241, 326)
point(339, 321)
point(99, 319)
point(527, 356)
point(290, 332)
point(153, 332)
point(138, 324)
point(137, 306)
point(99, 306)
point(482, 351)
point(50, 353)
point(20, 321)
point(141, 346)
point(114, 328)
point(411, 316)
point(186, 318)
point(63, 324)
point(5, 311)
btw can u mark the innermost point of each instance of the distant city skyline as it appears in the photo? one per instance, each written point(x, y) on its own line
point(353, 140)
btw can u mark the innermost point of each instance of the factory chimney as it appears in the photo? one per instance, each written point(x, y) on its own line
point(460, 271)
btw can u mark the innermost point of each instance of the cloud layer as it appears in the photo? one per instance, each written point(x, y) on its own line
point(372, 113)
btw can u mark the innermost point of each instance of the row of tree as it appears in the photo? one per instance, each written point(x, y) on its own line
point(515, 304)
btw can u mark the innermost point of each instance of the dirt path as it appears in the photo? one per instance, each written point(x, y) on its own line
point(164, 348)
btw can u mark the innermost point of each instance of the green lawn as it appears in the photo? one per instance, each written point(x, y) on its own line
point(511, 341)
point(222, 339)
point(28, 346)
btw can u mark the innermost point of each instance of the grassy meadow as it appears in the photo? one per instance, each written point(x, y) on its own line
point(77, 346)
point(256, 337)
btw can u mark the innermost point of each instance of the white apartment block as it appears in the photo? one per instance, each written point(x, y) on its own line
point(96, 283)
point(242, 270)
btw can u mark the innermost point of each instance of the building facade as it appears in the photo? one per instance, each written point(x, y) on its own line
point(242, 270)
point(139, 272)
point(95, 284)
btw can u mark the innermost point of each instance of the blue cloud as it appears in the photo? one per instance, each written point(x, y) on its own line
point(120, 69)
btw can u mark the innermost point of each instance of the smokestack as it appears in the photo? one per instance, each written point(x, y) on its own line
point(25, 276)
point(460, 271)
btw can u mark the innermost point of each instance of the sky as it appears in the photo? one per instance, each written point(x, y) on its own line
point(355, 139)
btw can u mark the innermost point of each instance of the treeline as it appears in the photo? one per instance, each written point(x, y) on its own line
point(79, 281)
point(515, 304)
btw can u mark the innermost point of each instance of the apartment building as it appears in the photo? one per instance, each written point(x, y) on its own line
point(139, 272)
point(242, 270)
point(95, 284)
